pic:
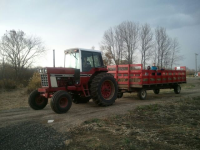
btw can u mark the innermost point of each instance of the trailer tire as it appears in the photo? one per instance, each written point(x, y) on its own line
point(156, 91)
point(104, 89)
point(78, 99)
point(119, 95)
point(177, 89)
point(61, 102)
point(142, 94)
point(36, 101)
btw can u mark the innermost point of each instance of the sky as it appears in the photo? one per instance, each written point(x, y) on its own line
point(64, 24)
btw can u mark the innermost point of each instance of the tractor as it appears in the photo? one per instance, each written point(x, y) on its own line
point(83, 77)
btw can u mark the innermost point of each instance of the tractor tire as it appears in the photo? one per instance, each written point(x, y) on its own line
point(77, 99)
point(156, 91)
point(61, 102)
point(119, 95)
point(177, 89)
point(142, 94)
point(104, 89)
point(36, 101)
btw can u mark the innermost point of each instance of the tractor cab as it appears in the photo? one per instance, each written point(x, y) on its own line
point(83, 59)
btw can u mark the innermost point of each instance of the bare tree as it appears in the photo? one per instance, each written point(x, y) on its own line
point(175, 53)
point(20, 50)
point(119, 45)
point(129, 34)
point(121, 42)
point(108, 44)
point(107, 58)
point(163, 47)
point(146, 43)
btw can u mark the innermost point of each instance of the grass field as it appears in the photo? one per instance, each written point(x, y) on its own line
point(174, 125)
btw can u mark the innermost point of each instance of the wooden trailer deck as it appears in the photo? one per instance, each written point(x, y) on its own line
point(132, 76)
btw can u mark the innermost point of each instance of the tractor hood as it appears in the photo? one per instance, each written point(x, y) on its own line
point(57, 70)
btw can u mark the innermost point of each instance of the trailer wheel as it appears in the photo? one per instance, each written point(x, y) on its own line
point(104, 89)
point(156, 91)
point(61, 102)
point(119, 95)
point(142, 94)
point(36, 101)
point(78, 99)
point(177, 89)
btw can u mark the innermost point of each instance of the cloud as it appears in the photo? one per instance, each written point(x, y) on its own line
point(178, 20)
point(180, 14)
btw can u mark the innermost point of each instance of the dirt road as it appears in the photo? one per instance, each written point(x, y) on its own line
point(82, 112)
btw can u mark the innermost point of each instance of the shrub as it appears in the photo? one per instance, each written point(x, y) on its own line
point(34, 83)
point(8, 84)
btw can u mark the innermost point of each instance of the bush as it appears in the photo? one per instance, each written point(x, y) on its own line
point(34, 83)
point(8, 84)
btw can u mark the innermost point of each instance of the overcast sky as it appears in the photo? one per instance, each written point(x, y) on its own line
point(63, 24)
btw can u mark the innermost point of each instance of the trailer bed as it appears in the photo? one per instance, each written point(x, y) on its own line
point(132, 76)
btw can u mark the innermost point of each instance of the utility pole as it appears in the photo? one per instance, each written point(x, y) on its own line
point(196, 62)
point(3, 72)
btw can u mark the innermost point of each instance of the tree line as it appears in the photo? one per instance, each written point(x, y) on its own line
point(121, 43)
point(18, 52)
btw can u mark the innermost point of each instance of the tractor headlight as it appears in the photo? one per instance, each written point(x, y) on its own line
point(45, 70)
point(40, 70)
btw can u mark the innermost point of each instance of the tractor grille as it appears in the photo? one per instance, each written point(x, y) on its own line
point(44, 80)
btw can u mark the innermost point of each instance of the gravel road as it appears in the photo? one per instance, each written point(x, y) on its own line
point(24, 128)
point(30, 135)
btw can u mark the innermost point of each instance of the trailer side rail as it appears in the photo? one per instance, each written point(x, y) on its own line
point(133, 76)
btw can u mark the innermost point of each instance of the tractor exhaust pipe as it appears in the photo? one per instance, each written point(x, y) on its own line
point(54, 58)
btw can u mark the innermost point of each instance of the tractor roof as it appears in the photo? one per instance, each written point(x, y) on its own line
point(72, 49)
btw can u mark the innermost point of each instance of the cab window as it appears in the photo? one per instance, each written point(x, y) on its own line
point(91, 60)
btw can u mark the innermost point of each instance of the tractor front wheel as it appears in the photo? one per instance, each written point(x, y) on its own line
point(36, 101)
point(61, 102)
point(104, 89)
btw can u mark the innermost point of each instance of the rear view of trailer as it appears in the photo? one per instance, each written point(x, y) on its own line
point(132, 78)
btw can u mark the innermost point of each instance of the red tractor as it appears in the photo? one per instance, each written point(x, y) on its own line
point(83, 77)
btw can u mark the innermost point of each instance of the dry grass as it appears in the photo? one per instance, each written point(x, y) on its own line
point(171, 126)
point(13, 99)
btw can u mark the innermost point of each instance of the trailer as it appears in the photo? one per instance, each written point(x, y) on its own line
point(133, 78)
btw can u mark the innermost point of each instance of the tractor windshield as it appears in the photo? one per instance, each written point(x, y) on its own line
point(72, 60)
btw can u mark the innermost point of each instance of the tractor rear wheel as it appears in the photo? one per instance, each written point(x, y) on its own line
point(77, 99)
point(156, 91)
point(36, 101)
point(142, 94)
point(104, 89)
point(61, 102)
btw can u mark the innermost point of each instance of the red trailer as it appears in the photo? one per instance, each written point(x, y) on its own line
point(132, 78)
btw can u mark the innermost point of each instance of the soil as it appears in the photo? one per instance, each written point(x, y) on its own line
point(172, 125)
point(14, 109)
